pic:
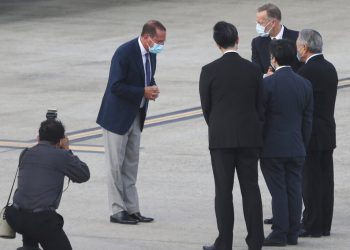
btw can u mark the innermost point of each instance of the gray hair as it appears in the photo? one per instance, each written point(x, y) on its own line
point(312, 39)
point(272, 11)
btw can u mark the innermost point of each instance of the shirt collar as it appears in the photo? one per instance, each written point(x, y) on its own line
point(143, 50)
point(229, 51)
point(45, 143)
point(317, 54)
point(284, 66)
point(279, 35)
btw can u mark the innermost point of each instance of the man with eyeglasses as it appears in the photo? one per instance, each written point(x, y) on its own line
point(269, 27)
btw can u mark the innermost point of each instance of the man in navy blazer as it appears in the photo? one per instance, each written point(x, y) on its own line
point(122, 115)
point(318, 173)
point(269, 27)
point(288, 105)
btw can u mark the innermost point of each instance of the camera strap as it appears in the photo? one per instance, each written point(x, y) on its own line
point(14, 180)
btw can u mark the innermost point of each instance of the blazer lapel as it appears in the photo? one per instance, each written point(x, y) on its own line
point(153, 63)
point(265, 42)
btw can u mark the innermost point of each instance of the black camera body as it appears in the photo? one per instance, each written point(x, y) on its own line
point(51, 114)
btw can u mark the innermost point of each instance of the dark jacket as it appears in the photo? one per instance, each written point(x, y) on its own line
point(261, 53)
point(324, 79)
point(125, 89)
point(41, 175)
point(288, 105)
point(230, 92)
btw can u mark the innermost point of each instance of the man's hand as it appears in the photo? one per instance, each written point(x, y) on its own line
point(64, 143)
point(151, 92)
point(269, 72)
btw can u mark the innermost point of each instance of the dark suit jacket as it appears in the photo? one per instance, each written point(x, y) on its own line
point(324, 79)
point(261, 53)
point(125, 89)
point(229, 90)
point(288, 105)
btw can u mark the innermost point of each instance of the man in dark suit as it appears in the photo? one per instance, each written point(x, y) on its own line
point(318, 181)
point(288, 121)
point(122, 114)
point(230, 88)
point(269, 27)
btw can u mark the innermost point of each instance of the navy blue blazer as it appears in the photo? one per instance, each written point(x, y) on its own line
point(125, 89)
point(288, 107)
point(261, 54)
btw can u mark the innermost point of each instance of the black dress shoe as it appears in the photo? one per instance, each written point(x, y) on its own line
point(292, 242)
point(138, 217)
point(326, 233)
point(123, 218)
point(268, 221)
point(212, 247)
point(303, 233)
point(273, 243)
point(28, 248)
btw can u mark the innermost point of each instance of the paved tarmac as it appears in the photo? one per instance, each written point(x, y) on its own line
point(57, 54)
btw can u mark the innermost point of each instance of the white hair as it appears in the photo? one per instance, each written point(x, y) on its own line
point(312, 39)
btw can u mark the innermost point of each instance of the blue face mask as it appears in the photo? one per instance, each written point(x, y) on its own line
point(156, 48)
point(261, 30)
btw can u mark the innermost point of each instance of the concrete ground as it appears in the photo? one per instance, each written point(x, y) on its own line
point(57, 54)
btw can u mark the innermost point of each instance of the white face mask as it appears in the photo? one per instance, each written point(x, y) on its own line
point(298, 56)
point(261, 30)
point(272, 64)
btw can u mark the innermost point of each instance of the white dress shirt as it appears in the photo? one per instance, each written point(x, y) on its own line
point(279, 35)
point(230, 50)
point(143, 53)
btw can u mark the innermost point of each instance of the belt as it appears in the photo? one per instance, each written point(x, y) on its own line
point(35, 210)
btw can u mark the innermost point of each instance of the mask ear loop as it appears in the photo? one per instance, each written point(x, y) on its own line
point(267, 25)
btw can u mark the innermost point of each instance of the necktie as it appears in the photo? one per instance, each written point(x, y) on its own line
point(148, 70)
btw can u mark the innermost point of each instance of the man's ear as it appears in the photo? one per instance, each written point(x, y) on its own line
point(59, 144)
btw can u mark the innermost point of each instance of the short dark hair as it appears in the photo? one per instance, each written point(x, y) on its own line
point(284, 51)
point(151, 27)
point(272, 11)
point(225, 34)
point(51, 130)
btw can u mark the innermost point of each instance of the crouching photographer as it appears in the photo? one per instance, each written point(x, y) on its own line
point(40, 184)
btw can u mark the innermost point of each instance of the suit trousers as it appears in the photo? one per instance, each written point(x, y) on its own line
point(122, 160)
point(224, 164)
point(318, 192)
point(42, 227)
point(283, 179)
